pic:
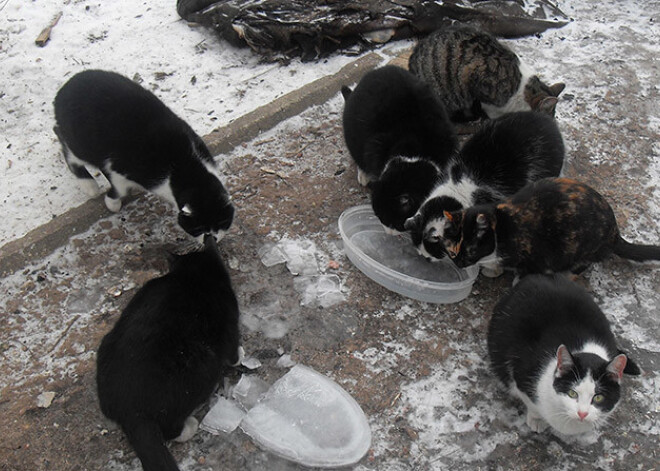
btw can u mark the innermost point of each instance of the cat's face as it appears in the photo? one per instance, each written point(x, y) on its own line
point(587, 389)
point(469, 236)
point(400, 190)
point(207, 212)
point(541, 97)
point(428, 226)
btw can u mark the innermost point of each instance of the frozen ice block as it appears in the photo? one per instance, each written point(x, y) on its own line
point(310, 419)
point(224, 416)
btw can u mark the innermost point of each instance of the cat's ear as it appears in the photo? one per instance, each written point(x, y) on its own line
point(616, 367)
point(548, 105)
point(448, 216)
point(557, 88)
point(564, 361)
point(413, 223)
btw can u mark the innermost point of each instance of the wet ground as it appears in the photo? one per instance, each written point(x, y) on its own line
point(418, 370)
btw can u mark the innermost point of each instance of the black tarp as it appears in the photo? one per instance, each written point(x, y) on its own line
point(315, 28)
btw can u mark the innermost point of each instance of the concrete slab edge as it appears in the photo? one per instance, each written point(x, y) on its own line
point(44, 239)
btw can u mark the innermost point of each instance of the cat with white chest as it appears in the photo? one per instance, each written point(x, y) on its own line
point(399, 136)
point(111, 123)
point(553, 348)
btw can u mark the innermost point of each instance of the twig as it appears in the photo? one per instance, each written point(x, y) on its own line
point(66, 331)
point(44, 36)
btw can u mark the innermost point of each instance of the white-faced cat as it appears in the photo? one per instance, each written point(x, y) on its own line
point(553, 225)
point(552, 347)
point(113, 124)
point(167, 352)
point(503, 156)
point(391, 114)
point(471, 71)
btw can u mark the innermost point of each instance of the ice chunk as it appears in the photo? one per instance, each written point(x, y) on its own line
point(224, 416)
point(285, 361)
point(300, 256)
point(248, 390)
point(323, 290)
point(251, 363)
point(308, 418)
point(271, 255)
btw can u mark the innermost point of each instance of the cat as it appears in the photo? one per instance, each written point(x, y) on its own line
point(552, 347)
point(111, 123)
point(472, 73)
point(503, 156)
point(390, 114)
point(552, 225)
point(167, 352)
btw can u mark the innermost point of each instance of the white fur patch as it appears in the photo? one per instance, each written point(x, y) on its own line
point(516, 102)
point(122, 185)
point(164, 190)
point(596, 349)
point(190, 427)
point(461, 191)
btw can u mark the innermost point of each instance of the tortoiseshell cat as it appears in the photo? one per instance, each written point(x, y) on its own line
point(553, 348)
point(471, 71)
point(552, 225)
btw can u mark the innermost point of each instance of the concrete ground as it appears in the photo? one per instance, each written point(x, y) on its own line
point(418, 370)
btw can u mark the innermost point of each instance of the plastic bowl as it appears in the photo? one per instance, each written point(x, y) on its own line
point(393, 262)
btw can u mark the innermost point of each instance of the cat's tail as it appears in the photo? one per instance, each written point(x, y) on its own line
point(346, 92)
point(147, 440)
point(636, 252)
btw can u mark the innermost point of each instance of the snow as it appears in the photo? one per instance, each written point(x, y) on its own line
point(200, 77)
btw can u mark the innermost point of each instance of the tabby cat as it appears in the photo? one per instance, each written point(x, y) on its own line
point(470, 71)
point(552, 225)
point(505, 154)
point(552, 347)
point(167, 352)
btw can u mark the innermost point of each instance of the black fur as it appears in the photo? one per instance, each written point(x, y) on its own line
point(391, 113)
point(109, 121)
point(552, 225)
point(502, 157)
point(167, 352)
point(534, 318)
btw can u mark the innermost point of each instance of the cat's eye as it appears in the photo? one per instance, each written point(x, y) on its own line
point(598, 398)
point(572, 393)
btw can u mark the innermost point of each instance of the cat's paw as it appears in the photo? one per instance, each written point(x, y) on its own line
point(89, 186)
point(536, 423)
point(363, 178)
point(113, 204)
point(189, 429)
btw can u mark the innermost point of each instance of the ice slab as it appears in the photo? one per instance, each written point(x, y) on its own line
point(248, 390)
point(299, 255)
point(308, 418)
point(322, 290)
point(224, 416)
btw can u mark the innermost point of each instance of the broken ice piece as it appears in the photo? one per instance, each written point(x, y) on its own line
point(248, 390)
point(251, 363)
point(300, 257)
point(285, 361)
point(310, 419)
point(45, 399)
point(271, 254)
point(224, 416)
point(322, 290)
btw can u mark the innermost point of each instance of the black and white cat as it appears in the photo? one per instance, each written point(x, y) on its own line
point(167, 352)
point(505, 154)
point(552, 347)
point(109, 122)
point(391, 114)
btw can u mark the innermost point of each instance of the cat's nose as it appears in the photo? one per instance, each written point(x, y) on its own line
point(582, 415)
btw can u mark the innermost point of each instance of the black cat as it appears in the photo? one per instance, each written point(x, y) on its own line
point(552, 347)
point(113, 124)
point(167, 352)
point(503, 156)
point(552, 225)
point(390, 114)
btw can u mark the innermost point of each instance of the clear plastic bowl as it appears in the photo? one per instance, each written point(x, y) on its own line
point(393, 262)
